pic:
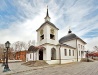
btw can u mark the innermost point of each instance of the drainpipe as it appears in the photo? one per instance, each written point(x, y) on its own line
point(60, 55)
point(77, 49)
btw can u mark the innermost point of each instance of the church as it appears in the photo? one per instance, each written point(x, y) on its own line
point(69, 48)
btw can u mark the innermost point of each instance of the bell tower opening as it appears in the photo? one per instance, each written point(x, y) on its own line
point(52, 36)
point(41, 35)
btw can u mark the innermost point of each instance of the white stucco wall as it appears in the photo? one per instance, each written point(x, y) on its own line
point(67, 58)
point(80, 49)
point(32, 58)
point(48, 54)
point(46, 31)
point(71, 43)
point(64, 59)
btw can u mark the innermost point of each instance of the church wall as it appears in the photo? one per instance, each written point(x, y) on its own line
point(39, 41)
point(79, 42)
point(29, 57)
point(46, 32)
point(37, 54)
point(71, 43)
point(48, 54)
point(49, 27)
point(48, 40)
point(52, 61)
point(67, 58)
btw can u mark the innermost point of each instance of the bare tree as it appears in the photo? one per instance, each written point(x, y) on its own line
point(96, 48)
point(14, 47)
point(19, 46)
point(11, 53)
point(31, 43)
point(24, 46)
point(1, 50)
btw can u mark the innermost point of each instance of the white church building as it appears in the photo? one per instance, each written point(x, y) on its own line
point(69, 48)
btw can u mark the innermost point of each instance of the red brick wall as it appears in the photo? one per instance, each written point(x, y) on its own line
point(21, 55)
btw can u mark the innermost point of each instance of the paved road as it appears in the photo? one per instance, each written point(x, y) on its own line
point(81, 68)
point(84, 68)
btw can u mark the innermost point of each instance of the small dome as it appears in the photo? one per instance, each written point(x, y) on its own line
point(69, 31)
point(67, 38)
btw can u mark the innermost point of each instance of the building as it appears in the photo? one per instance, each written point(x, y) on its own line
point(68, 49)
point(20, 55)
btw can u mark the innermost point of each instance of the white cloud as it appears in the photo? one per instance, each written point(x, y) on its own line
point(34, 11)
point(2, 5)
point(91, 43)
point(22, 31)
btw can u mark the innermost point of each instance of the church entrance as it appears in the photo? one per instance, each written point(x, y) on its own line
point(41, 55)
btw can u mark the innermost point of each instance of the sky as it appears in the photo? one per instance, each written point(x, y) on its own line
point(19, 19)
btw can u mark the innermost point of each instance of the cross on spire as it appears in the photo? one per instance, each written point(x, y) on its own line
point(47, 18)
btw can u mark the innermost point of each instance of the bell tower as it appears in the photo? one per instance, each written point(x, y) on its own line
point(47, 33)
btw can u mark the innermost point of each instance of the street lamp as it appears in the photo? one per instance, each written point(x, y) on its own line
point(4, 51)
point(6, 68)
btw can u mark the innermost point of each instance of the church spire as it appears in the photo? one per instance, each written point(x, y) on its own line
point(47, 18)
point(47, 12)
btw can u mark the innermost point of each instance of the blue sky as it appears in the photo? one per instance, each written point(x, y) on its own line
point(19, 19)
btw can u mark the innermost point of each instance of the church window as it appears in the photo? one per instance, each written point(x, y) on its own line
point(53, 54)
point(79, 45)
point(41, 35)
point(52, 36)
point(73, 52)
point(65, 51)
point(69, 52)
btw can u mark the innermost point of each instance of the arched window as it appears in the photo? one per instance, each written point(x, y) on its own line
point(53, 54)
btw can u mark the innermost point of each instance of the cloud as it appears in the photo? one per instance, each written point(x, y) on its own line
point(2, 5)
point(22, 17)
point(91, 43)
point(21, 31)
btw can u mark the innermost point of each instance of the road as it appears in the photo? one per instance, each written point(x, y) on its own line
point(80, 68)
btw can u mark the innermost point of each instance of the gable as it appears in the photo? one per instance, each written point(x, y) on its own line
point(49, 23)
